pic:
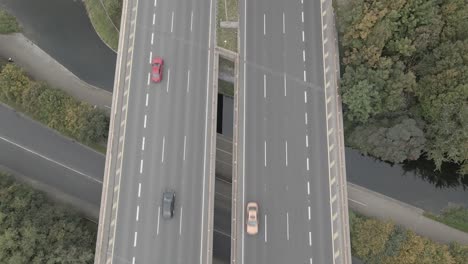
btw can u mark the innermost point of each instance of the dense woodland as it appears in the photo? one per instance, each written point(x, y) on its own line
point(404, 80)
point(34, 230)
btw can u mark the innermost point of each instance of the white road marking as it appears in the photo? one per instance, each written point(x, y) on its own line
point(309, 211)
point(49, 159)
point(303, 37)
point(327, 69)
point(135, 239)
point(172, 22)
point(168, 79)
point(133, 260)
point(286, 150)
point(287, 225)
point(266, 228)
point(306, 118)
point(284, 81)
point(162, 155)
point(324, 12)
point(152, 38)
point(244, 118)
point(284, 28)
point(307, 141)
point(150, 56)
point(325, 41)
point(265, 152)
point(180, 225)
point(302, 16)
point(305, 76)
point(303, 55)
point(310, 238)
point(139, 189)
point(154, 18)
point(141, 166)
point(143, 144)
point(155, 3)
point(308, 188)
point(363, 204)
point(188, 81)
point(264, 26)
point(137, 212)
point(310, 260)
point(149, 76)
point(264, 86)
point(307, 163)
point(144, 122)
point(191, 21)
point(325, 26)
point(147, 99)
point(302, 1)
point(305, 97)
point(185, 144)
point(157, 225)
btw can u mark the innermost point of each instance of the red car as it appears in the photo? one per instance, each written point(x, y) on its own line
point(157, 69)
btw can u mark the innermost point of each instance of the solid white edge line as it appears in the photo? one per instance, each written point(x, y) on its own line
point(162, 155)
point(49, 159)
point(243, 137)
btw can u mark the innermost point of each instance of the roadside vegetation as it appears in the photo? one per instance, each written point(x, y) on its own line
point(33, 229)
point(105, 16)
point(53, 108)
point(8, 23)
point(404, 80)
point(226, 37)
point(456, 217)
point(379, 242)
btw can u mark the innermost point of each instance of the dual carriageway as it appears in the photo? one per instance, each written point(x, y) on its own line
point(162, 136)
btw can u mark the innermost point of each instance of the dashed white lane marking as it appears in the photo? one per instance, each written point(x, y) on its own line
point(308, 188)
point(155, 3)
point(284, 28)
point(284, 84)
point(305, 76)
point(309, 211)
point(303, 36)
point(133, 260)
point(149, 76)
point(305, 97)
point(150, 56)
point(307, 141)
point(152, 38)
point(137, 212)
point(147, 99)
point(143, 144)
point(265, 153)
point(266, 237)
point(307, 163)
point(191, 21)
point(172, 22)
point(168, 79)
point(306, 118)
point(287, 225)
point(154, 18)
point(264, 26)
point(264, 86)
point(144, 122)
point(286, 150)
point(141, 166)
point(302, 16)
point(180, 225)
point(139, 189)
point(303, 55)
point(185, 144)
point(49, 159)
point(162, 155)
point(310, 238)
point(157, 225)
point(188, 81)
point(135, 239)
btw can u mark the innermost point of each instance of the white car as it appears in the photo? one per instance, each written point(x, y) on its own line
point(252, 220)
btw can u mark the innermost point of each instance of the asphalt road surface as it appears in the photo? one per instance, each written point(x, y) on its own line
point(283, 139)
point(167, 136)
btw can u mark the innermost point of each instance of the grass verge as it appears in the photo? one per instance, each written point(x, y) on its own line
point(8, 23)
point(456, 217)
point(226, 37)
point(102, 23)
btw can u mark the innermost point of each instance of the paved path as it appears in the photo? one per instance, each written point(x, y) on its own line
point(41, 66)
point(376, 205)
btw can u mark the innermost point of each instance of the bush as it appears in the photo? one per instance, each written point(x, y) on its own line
point(8, 23)
point(53, 107)
point(35, 230)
